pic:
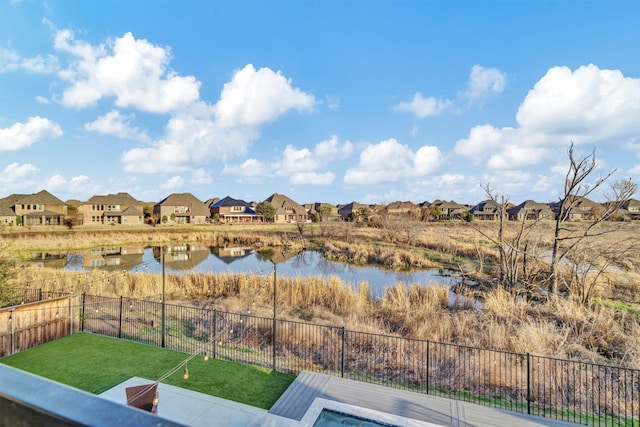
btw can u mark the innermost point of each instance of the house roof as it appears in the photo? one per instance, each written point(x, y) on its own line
point(280, 202)
point(529, 205)
point(443, 204)
point(10, 201)
point(131, 210)
point(485, 204)
point(230, 202)
point(43, 213)
point(401, 205)
point(113, 199)
point(40, 198)
point(198, 207)
point(631, 202)
point(6, 211)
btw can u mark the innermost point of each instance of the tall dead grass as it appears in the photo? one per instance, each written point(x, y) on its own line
point(559, 327)
point(504, 321)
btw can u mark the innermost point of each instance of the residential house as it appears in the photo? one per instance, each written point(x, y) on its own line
point(323, 211)
point(397, 210)
point(7, 215)
point(630, 210)
point(37, 209)
point(447, 210)
point(487, 210)
point(355, 211)
point(578, 208)
point(181, 208)
point(287, 210)
point(230, 210)
point(112, 209)
point(530, 210)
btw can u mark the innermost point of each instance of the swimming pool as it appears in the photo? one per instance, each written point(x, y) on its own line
point(329, 418)
point(329, 413)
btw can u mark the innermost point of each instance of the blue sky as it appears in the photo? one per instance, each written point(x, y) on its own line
point(332, 101)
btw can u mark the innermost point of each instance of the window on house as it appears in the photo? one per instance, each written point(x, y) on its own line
point(237, 208)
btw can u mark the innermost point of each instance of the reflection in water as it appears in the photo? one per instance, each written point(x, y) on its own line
point(180, 259)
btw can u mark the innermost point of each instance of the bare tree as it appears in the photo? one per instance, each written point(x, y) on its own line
point(513, 248)
point(569, 236)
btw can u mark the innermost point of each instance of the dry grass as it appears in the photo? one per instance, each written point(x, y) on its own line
point(558, 327)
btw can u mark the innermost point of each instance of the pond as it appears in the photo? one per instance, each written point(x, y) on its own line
point(180, 259)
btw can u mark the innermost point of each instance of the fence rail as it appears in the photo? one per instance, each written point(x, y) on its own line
point(578, 392)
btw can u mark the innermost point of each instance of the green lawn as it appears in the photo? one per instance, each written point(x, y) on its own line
point(95, 363)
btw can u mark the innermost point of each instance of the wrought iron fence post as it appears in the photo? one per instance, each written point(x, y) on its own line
point(342, 361)
point(82, 312)
point(215, 334)
point(528, 384)
point(71, 314)
point(275, 302)
point(163, 297)
point(120, 320)
point(427, 372)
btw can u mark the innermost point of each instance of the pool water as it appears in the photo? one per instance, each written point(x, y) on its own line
point(329, 418)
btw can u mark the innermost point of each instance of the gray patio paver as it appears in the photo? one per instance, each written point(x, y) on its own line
point(311, 390)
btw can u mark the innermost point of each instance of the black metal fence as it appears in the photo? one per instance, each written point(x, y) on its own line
point(27, 295)
point(578, 392)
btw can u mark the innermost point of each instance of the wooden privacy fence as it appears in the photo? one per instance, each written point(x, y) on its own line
point(30, 324)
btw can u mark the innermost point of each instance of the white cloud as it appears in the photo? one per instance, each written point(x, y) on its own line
point(484, 81)
point(133, 71)
point(515, 156)
point(202, 133)
point(451, 186)
point(76, 185)
point(588, 105)
point(42, 100)
point(303, 166)
point(332, 102)
point(15, 172)
point(254, 97)
point(424, 107)
point(427, 160)
point(305, 160)
point(200, 176)
point(173, 183)
point(248, 168)
point(391, 161)
point(114, 123)
point(22, 135)
point(192, 138)
point(312, 178)
point(12, 61)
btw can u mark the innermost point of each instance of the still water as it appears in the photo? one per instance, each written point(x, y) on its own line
point(180, 259)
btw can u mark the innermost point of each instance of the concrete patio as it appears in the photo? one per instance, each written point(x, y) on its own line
point(299, 406)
